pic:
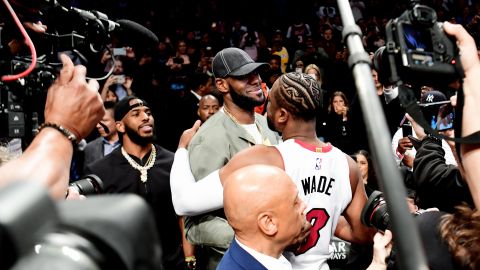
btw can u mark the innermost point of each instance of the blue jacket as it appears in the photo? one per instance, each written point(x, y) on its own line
point(236, 258)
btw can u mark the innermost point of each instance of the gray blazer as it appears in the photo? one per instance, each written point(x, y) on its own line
point(219, 139)
point(93, 151)
point(215, 143)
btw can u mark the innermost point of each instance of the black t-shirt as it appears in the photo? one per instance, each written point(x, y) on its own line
point(119, 176)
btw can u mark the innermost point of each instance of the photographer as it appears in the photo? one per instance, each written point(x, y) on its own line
point(120, 82)
point(73, 107)
point(438, 184)
point(452, 239)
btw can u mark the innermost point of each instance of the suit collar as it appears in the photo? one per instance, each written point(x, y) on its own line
point(243, 258)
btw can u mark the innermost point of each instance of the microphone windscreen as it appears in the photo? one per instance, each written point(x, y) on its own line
point(135, 32)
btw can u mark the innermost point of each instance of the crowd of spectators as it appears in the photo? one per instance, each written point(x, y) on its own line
point(192, 32)
point(290, 36)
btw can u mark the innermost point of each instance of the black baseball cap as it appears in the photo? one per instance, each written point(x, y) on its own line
point(123, 106)
point(432, 97)
point(234, 62)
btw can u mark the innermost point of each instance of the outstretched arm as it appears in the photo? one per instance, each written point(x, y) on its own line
point(192, 197)
point(106, 85)
point(382, 246)
point(470, 153)
point(189, 197)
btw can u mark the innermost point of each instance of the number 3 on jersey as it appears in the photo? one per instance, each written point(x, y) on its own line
point(318, 217)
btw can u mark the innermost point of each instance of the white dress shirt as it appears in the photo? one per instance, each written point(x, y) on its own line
point(269, 262)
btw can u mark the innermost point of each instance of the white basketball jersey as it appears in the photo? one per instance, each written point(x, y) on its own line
point(322, 178)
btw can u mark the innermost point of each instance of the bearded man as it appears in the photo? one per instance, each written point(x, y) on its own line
point(143, 168)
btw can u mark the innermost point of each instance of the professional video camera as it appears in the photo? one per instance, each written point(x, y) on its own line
point(81, 34)
point(90, 184)
point(417, 50)
point(375, 212)
point(36, 233)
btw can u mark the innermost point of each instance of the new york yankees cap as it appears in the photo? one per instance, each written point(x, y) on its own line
point(433, 96)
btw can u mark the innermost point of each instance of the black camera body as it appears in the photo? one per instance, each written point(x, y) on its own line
point(103, 232)
point(375, 212)
point(418, 50)
point(69, 33)
point(89, 185)
point(20, 100)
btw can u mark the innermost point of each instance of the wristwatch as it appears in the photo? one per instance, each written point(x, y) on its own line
point(191, 262)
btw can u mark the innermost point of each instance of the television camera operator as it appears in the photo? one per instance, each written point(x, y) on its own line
point(69, 107)
point(102, 235)
point(73, 108)
point(451, 239)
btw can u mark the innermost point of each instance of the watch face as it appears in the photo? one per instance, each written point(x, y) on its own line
point(191, 263)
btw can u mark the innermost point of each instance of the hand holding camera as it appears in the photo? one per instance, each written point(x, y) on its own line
point(419, 50)
point(382, 246)
point(115, 79)
point(119, 79)
point(404, 144)
point(72, 102)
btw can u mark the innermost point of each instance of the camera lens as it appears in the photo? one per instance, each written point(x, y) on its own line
point(374, 213)
point(91, 184)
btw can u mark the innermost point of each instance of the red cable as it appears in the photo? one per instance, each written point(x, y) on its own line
point(29, 44)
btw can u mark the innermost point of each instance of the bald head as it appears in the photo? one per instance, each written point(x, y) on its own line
point(207, 106)
point(299, 93)
point(262, 200)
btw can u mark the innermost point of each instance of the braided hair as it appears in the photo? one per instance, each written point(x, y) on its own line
point(299, 94)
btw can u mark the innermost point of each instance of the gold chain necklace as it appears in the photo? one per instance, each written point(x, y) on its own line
point(266, 141)
point(143, 169)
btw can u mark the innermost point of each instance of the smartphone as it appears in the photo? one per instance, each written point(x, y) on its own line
point(120, 79)
point(440, 116)
point(119, 51)
point(407, 129)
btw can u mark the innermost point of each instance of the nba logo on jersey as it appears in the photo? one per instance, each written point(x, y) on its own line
point(318, 164)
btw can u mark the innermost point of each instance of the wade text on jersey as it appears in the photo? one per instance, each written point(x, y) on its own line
point(317, 184)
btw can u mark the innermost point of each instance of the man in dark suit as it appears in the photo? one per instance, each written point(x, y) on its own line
point(108, 140)
point(185, 112)
point(266, 223)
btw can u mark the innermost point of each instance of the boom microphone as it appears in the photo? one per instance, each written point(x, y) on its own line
point(136, 30)
point(99, 26)
point(130, 31)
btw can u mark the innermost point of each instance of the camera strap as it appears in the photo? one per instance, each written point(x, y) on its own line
point(390, 48)
point(409, 102)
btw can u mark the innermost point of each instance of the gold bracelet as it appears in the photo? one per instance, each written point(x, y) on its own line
point(67, 133)
point(190, 258)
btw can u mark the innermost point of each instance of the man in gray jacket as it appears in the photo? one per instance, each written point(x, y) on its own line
point(236, 127)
